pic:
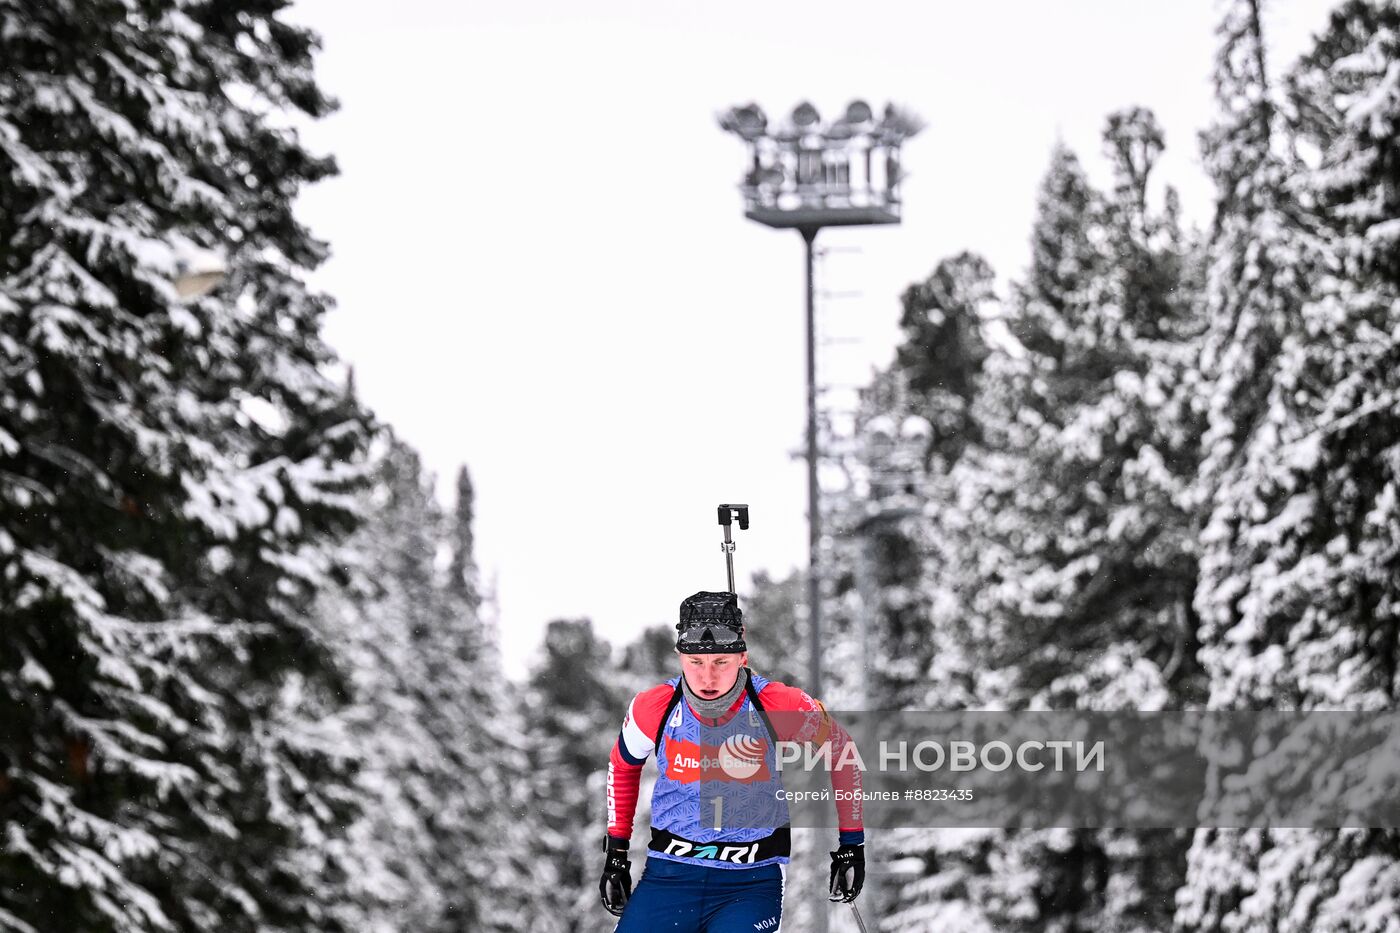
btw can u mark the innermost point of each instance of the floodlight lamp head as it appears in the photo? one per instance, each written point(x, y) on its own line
point(771, 177)
point(898, 125)
point(805, 116)
point(748, 122)
point(858, 112)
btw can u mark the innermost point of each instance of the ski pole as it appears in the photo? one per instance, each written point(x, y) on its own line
point(859, 922)
point(727, 513)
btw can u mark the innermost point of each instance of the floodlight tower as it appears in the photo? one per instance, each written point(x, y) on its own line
point(805, 175)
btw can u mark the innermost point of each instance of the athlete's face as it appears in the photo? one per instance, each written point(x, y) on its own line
point(711, 675)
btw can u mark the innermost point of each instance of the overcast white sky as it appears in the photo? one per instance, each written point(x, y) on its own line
point(543, 270)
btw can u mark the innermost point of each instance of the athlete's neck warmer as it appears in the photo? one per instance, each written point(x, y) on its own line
point(713, 709)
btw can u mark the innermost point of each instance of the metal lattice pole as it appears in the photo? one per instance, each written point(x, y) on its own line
point(814, 520)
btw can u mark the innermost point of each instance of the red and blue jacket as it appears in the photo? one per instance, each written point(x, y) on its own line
point(717, 799)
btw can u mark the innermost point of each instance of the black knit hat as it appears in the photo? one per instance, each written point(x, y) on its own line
point(710, 623)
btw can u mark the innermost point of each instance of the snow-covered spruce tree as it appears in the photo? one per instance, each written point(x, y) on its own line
point(1298, 591)
point(942, 352)
point(573, 712)
point(1099, 582)
point(431, 714)
point(774, 632)
point(487, 747)
point(649, 658)
point(1339, 373)
point(1091, 610)
point(463, 575)
point(172, 478)
point(378, 619)
point(1262, 267)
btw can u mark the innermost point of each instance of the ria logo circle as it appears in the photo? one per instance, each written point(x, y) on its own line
point(741, 756)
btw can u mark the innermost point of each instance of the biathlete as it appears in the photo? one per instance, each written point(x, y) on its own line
point(720, 838)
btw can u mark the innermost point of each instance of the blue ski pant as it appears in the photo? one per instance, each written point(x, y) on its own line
point(679, 898)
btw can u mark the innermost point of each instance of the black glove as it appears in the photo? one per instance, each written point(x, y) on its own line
point(616, 885)
point(847, 873)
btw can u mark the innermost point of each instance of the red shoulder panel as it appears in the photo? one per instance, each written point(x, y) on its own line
point(780, 697)
point(649, 706)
